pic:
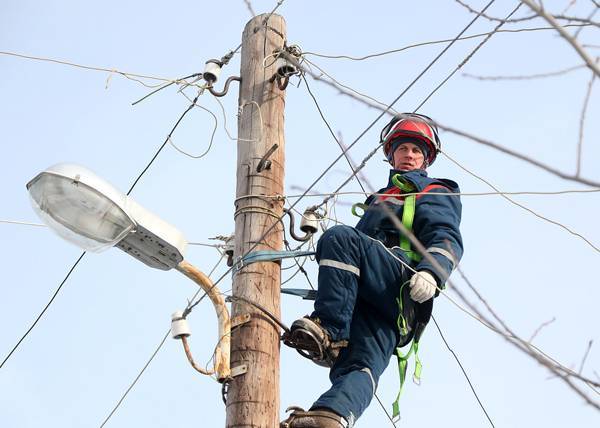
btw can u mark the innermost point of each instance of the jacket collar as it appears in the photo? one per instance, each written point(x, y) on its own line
point(415, 176)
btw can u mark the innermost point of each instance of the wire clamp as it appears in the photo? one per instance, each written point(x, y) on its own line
point(239, 370)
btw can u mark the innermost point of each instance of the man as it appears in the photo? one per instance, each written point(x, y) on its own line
point(363, 310)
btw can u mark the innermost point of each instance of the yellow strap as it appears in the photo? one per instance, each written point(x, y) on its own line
point(408, 214)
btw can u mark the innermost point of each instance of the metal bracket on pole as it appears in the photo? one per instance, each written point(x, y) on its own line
point(239, 320)
point(239, 370)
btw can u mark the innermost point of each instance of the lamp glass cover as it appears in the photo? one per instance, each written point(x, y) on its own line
point(78, 213)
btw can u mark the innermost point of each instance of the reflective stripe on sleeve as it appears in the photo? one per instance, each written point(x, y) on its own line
point(340, 265)
point(444, 253)
point(368, 371)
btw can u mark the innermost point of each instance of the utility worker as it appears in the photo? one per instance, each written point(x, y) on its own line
point(370, 302)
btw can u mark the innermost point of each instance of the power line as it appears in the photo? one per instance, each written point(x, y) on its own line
point(345, 152)
point(434, 42)
point(162, 342)
point(131, 76)
point(527, 77)
point(489, 36)
point(463, 370)
point(43, 310)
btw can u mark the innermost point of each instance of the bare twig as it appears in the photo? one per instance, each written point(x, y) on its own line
point(249, 5)
point(587, 352)
point(552, 21)
point(491, 18)
point(582, 122)
point(537, 330)
point(589, 18)
point(569, 6)
point(562, 16)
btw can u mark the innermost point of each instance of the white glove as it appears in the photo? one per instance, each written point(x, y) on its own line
point(422, 286)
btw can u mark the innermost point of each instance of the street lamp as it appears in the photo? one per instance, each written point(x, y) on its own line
point(88, 211)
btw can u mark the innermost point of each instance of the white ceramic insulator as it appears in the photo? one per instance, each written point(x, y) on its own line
point(309, 222)
point(212, 71)
point(284, 67)
point(179, 326)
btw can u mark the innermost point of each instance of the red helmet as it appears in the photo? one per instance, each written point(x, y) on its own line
point(411, 125)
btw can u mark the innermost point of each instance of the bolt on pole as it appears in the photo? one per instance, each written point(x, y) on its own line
point(253, 397)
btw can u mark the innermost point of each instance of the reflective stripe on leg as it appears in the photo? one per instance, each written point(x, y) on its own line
point(339, 265)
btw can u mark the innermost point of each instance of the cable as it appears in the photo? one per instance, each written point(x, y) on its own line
point(464, 372)
point(329, 128)
point(130, 76)
point(529, 77)
point(435, 42)
point(489, 36)
point(162, 146)
point(43, 310)
point(212, 136)
point(164, 87)
point(162, 342)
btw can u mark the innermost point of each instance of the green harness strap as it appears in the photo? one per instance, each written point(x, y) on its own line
point(403, 358)
point(408, 215)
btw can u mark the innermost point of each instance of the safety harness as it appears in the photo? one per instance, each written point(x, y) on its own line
point(408, 216)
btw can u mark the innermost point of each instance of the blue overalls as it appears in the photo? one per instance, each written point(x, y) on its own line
point(361, 270)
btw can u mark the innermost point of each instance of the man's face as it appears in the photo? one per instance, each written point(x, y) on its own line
point(408, 156)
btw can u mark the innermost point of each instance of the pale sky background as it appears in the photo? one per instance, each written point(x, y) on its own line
point(113, 311)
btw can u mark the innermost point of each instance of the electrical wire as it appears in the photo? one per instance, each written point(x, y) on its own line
point(329, 128)
point(463, 62)
point(158, 348)
point(435, 42)
point(463, 370)
point(191, 106)
point(212, 136)
point(131, 76)
point(43, 310)
point(164, 87)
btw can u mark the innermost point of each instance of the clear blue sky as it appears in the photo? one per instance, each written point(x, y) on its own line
point(112, 313)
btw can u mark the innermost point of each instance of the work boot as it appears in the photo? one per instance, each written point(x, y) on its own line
point(322, 418)
point(312, 341)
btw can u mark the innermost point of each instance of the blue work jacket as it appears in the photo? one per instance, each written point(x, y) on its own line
point(436, 220)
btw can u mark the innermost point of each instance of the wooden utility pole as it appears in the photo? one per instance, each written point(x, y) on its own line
point(253, 398)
